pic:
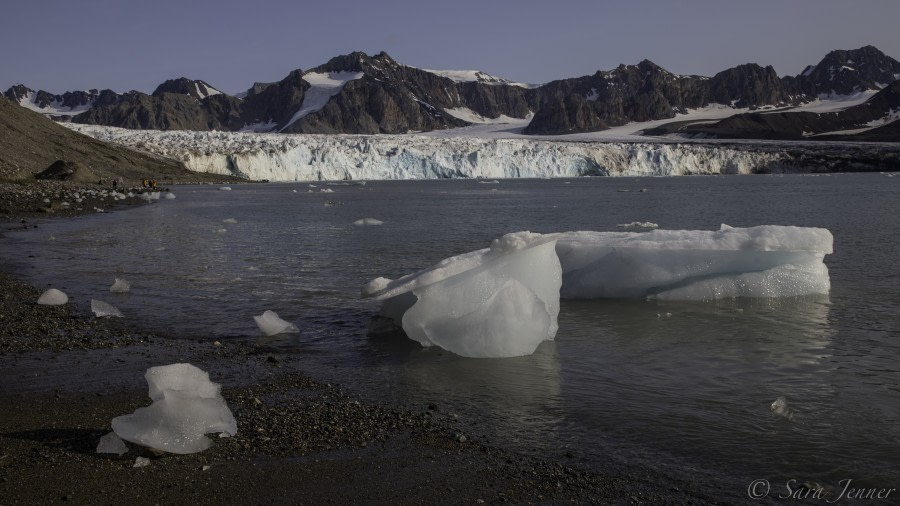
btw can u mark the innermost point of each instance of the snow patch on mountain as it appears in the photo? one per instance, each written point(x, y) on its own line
point(55, 108)
point(280, 157)
point(466, 114)
point(206, 91)
point(323, 87)
point(476, 76)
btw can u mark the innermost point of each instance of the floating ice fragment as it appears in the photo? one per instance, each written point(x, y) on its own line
point(501, 301)
point(120, 286)
point(365, 222)
point(225, 188)
point(102, 309)
point(270, 324)
point(169, 195)
point(230, 221)
point(111, 443)
point(221, 231)
point(638, 224)
point(141, 462)
point(53, 297)
point(780, 407)
point(326, 190)
point(186, 406)
point(763, 261)
point(504, 300)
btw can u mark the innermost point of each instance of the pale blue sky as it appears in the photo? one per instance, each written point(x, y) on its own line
point(124, 45)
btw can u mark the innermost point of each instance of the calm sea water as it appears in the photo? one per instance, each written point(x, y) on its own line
point(686, 394)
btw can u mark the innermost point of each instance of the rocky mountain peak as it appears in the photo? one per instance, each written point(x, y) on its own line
point(844, 72)
point(184, 86)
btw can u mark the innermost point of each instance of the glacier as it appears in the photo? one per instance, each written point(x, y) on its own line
point(503, 301)
point(307, 157)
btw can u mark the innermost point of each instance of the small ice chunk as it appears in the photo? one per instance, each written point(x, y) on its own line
point(111, 443)
point(186, 406)
point(270, 324)
point(120, 286)
point(102, 309)
point(53, 297)
point(366, 222)
point(225, 188)
point(326, 190)
point(141, 462)
point(230, 221)
point(221, 230)
point(780, 407)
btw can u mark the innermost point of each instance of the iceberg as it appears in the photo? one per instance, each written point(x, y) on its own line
point(270, 324)
point(102, 309)
point(53, 297)
point(763, 261)
point(501, 301)
point(366, 222)
point(186, 406)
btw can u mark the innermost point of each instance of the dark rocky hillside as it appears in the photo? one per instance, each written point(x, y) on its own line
point(30, 143)
point(376, 94)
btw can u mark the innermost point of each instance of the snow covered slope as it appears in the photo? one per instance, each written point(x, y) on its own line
point(323, 87)
point(280, 157)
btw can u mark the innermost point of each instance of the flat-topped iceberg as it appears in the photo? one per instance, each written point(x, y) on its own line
point(503, 301)
point(763, 261)
point(500, 301)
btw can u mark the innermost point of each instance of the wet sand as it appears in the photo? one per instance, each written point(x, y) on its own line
point(65, 374)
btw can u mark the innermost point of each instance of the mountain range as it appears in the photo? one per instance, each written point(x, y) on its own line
point(362, 94)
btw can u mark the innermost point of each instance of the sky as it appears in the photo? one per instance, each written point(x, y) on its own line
point(136, 45)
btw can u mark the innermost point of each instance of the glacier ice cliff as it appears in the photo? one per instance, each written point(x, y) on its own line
point(281, 157)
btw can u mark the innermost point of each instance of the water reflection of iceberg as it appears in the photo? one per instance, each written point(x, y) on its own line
point(517, 396)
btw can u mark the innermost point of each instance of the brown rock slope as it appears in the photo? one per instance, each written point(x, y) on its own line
point(30, 143)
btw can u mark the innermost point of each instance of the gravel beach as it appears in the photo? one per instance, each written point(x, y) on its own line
point(65, 374)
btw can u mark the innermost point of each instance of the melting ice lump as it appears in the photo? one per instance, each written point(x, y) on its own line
point(501, 301)
point(186, 406)
point(120, 286)
point(270, 324)
point(53, 297)
point(763, 261)
point(102, 309)
point(780, 407)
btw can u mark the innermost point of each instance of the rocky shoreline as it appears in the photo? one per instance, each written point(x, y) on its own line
point(66, 374)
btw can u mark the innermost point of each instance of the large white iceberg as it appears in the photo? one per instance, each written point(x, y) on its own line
point(186, 406)
point(763, 261)
point(503, 301)
point(500, 301)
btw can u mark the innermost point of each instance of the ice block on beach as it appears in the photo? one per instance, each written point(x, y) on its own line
point(186, 406)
